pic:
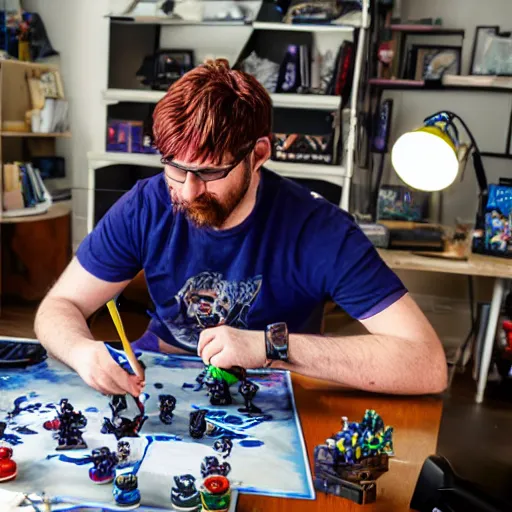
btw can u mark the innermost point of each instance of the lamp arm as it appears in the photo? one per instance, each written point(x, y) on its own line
point(477, 157)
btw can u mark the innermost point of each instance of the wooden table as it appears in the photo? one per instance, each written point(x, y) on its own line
point(477, 265)
point(416, 425)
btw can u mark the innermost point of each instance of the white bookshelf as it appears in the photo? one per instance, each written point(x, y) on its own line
point(330, 173)
point(304, 27)
point(304, 101)
point(209, 39)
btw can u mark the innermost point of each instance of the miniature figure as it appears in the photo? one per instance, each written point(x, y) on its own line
point(211, 466)
point(248, 390)
point(125, 491)
point(123, 452)
point(69, 430)
point(197, 424)
point(185, 496)
point(223, 446)
point(8, 468)
point(119, 425)
point(218, 380)
point(219, 393)
point(350, 462)
point(216, 494)
point(104, 463)
point(167, 406)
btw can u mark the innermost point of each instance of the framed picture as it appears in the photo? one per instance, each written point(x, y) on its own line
point(431, 62)
point(480, 45)
point(492, 52)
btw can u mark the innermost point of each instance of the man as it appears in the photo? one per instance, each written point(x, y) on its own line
point(235, 258)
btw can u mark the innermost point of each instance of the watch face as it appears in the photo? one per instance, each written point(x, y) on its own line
point(278, 334)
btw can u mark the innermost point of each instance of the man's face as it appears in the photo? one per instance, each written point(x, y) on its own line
point(208, 203)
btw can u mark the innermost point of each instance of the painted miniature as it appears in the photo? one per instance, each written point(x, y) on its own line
point(223, 446)
point(211, 466)
point(8, 468)
point(104, 464)
point(123, 453)
point(218, 381)
point(197, 424)
point(248, 390)
point(167, 406)
point(350, 462)
point(184, 495)
point(219, 393)
point(216, 494)
point(119, 425)
point(70, 423)
point(125, 491)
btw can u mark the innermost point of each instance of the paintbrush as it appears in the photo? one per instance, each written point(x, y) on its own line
point(130, 356)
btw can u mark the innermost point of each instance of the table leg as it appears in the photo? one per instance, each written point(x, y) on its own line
point(490, 333)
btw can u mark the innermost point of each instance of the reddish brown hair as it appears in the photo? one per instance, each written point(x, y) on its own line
point(212, 112)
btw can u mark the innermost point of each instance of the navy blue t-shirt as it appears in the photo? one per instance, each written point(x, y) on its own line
point(291, 254)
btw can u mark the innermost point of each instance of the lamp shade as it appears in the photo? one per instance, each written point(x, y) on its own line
point(426, 159)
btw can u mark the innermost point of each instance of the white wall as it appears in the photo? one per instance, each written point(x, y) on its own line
point(79, 31)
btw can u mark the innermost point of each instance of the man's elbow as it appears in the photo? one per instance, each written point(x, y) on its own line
point(437, 371)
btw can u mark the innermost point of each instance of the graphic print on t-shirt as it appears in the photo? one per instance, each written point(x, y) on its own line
point(208, 300)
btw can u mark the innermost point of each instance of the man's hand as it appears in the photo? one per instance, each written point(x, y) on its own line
point(225, 347)
point(98, 369)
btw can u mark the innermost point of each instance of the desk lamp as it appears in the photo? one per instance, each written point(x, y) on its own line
point(429, 158)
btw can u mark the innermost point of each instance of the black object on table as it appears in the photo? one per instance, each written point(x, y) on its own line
point(17, 354)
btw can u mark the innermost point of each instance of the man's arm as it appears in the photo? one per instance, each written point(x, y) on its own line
point(61, 327)
point(401, 355)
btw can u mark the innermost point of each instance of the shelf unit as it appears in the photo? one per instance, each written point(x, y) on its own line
point(304, 101)
point(35, 241)
point(35, 135)
point(20, 145)
point(339, 175)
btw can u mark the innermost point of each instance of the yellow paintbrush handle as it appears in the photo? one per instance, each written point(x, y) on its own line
point(114, 313)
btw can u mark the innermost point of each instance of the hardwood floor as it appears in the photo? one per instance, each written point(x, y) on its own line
point(18, 321)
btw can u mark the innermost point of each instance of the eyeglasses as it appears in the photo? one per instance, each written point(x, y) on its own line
point(178, 172)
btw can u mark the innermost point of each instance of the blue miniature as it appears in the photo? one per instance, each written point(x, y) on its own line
point(125, 490)
point(104, 463)
point(167, 406)
point(70, 425)
point(223, 446)
point(211, 466)
point(185, 496)
point(248, 390)
point(350, 462)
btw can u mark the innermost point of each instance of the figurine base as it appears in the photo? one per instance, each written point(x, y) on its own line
point(8, 478)
point(128, 507)
point(64, 447)
point(251, 410)
point(194, 508)
point(102, 481)
point(361, 493)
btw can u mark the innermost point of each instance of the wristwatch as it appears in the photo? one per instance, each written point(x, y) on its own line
point(276, 343)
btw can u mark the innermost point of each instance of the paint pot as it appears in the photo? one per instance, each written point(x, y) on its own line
point(216, 493)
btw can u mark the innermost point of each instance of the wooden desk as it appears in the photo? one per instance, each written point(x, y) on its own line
point(416, 424)
point(477, 265)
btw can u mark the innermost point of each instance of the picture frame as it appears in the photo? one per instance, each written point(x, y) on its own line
point(431, 62)
point(482, 32)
